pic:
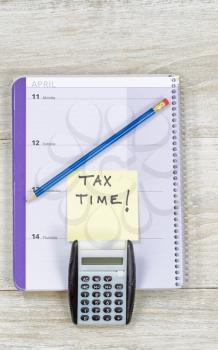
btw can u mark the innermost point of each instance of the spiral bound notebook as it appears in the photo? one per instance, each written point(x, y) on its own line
point(55, 120)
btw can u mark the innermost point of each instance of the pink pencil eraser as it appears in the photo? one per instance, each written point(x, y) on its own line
point(165, 101)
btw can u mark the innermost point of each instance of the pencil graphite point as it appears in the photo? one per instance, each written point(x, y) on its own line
point(30, 197)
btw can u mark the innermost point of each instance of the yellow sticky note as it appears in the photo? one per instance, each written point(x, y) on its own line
point(102, 205)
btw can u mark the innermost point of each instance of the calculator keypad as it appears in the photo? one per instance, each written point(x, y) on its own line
point(102, 298)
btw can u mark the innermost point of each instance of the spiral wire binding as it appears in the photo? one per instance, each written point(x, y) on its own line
point(183, 186)
point(177, 180)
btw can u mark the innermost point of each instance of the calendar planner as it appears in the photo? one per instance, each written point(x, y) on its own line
point(58, 119)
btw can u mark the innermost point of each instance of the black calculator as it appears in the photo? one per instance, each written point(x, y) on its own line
point(101, 282)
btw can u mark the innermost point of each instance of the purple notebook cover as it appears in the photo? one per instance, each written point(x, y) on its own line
point(19, 181)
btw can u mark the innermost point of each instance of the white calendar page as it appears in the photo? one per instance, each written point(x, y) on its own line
point(65, 118)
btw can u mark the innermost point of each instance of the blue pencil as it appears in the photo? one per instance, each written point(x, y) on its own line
point(126, 129)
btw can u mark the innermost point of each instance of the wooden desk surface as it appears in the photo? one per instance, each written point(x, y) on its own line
point(120, 37)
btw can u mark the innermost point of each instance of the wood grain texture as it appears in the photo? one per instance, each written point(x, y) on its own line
point(170, 319)
point(120, 37)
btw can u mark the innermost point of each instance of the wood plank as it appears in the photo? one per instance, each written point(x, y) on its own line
point(114, 38)
point(181, 319)
point(201, 203)
point(6, 260)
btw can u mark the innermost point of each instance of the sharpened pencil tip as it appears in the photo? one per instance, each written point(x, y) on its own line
point(30, 197)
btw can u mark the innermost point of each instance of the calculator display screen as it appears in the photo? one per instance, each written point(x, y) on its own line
point(102, 261)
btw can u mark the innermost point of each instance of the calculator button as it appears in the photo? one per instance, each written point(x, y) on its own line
point(85, 278)
point(84, 317)
point(96, 286)
point(107, 302)
point(107, 310)
point(96, 310)
point(118, 301)
point(107, 286)
point(96, 278)
point(96, 318)
point(96, 302)
point(118, 309)
point(107, 294)
point(107, 278)
point(85, 302)
point(96, 294)
point(84, 310)
point(118, 317)
point(107, 317)
point(85, 294)
point(118, 294)
point(85, 286)
point(119, 286)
